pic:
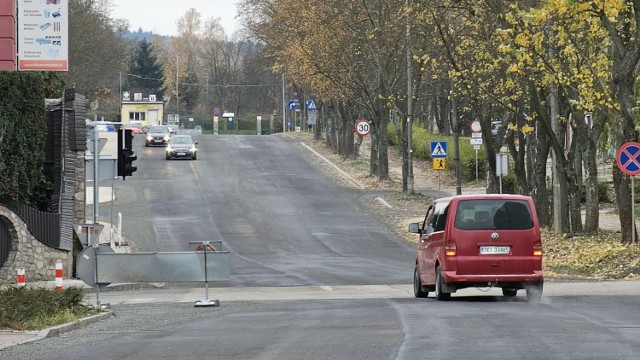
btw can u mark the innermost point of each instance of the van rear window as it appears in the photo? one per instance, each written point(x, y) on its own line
point(493, 214)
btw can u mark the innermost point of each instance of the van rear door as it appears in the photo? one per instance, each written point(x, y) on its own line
point(495, 237)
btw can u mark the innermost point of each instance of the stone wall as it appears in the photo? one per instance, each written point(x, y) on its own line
point(37, 259)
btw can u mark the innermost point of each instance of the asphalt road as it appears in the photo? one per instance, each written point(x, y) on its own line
point(284, 222)
point(314, 277)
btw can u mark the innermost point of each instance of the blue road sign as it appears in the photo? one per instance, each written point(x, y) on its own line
point(628, 158)
point(293, 104)
point(311, 105)
point(438, 149)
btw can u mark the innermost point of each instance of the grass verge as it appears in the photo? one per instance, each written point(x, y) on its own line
point(36, 308)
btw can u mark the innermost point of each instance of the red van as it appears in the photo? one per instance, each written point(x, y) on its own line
point(487, 240)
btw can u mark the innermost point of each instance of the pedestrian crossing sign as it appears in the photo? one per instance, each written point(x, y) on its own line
point(438, 149)
point(439, 164)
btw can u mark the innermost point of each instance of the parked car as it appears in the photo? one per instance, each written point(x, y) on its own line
point(100, 125)
point(157, 135)
point(135, 128)
point(181, 146)
point(174, 128)
point(487, 240)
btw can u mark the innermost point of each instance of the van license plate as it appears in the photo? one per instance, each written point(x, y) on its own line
point(494, 250)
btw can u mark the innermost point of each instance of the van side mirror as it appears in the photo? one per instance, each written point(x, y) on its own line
point(414, 228)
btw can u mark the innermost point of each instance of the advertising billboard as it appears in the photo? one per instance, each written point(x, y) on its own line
point(43, 35)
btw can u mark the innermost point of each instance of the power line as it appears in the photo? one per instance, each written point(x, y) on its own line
point(212, 85)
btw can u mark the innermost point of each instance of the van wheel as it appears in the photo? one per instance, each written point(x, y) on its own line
point(439, 284)
point(418, 289)
point(534, 291)
point(509, 292)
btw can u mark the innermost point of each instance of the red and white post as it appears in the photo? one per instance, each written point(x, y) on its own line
point(59, 276)
point(21, 277)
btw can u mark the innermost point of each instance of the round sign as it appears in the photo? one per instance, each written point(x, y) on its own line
point(86, 267)
point(628, 158)
point(475, 126)
point(216, 111)
point(363, 127)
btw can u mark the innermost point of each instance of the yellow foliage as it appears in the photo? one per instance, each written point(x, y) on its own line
point(600, 256)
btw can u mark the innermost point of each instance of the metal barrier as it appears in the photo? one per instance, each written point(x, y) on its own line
point(210, 262)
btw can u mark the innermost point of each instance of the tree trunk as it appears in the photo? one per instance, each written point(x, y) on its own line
point(591, 131)
point(374, 161)
point(592, 216)
point(625, 58)
point(401, 134)
point(540, 194)
point(518, 155)
point(383, 147)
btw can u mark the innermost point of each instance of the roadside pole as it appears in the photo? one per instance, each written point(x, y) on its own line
point(628, 163)
point(96, 177)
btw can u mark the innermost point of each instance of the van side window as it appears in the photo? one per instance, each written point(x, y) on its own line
point(427, 225)
point(441, 210)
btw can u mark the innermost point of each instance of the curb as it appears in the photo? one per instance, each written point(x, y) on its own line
point(12, 338)
point(123, 287)
point(61, 329)
point(356, 182)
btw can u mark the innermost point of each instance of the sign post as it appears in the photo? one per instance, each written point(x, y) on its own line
point(502, 167)
point(628, 161)
point(438, 154)
point(476, 139)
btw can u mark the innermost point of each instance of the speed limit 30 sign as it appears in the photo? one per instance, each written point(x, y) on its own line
point(363, 127)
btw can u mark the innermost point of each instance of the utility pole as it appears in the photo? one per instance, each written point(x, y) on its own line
point(456, 139)
point(177, 91)
point(284, 112)
point(410, 188)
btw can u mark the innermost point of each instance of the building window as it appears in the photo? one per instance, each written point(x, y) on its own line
point(136, 116)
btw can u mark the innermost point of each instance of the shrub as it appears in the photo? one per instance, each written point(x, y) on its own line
point(421, 146)
point(469, 167)
point(34, 308)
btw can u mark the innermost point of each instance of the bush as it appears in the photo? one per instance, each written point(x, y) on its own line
point(469, 167)
point(421, 146)
point(33, 308)
point(509, 184)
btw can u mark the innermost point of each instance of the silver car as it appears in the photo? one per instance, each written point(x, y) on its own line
point(181, 146)
point(157, 135)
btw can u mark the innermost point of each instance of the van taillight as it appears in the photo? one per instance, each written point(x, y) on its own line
point(537, 250)
point(450, 248)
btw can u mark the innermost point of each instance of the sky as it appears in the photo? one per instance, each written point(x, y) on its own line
point(159, 16)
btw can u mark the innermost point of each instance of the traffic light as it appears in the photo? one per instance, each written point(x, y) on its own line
point(126, 156)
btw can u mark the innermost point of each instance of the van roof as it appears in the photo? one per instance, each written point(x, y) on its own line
point(483, 197)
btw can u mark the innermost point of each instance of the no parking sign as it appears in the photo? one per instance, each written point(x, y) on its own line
point(628, 158)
